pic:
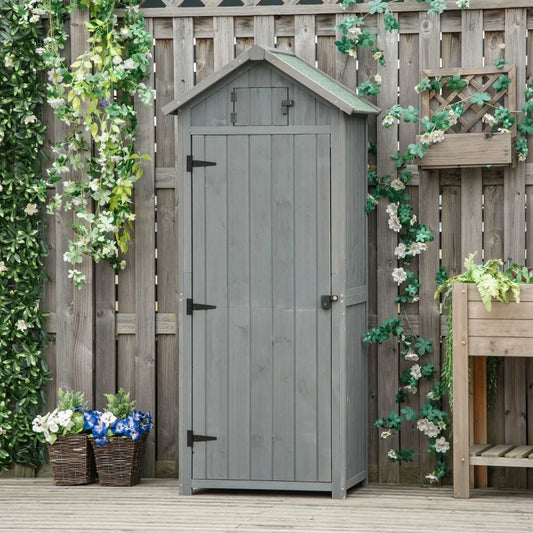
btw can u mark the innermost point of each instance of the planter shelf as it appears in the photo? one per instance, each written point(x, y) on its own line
point(470, 143)
point(505, 331)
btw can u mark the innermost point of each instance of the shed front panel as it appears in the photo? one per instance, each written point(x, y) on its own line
point(261, 361)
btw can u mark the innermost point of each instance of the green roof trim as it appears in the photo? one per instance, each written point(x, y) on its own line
point(358, 105)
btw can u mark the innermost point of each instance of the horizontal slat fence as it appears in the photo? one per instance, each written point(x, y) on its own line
point(132, 316)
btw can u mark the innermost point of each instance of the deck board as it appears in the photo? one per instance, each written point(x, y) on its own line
point(155, 506)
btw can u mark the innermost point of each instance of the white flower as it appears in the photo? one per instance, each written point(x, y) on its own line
point(437, 136)
point(64, 418)
point(354, 32)
point(392, 209)
point(502, 46)
point(442, 445)
point(522, 156)
point(56, 103)
point(394, 224)
point(352, 52)
point(34, 19)
point(503, 130)
point(413, 220)
point(399, 275)
point(39, 51)
point(117, 60)
point(387, 121)
point(410, 389)
point(38, 424)
point(21, 325)
point(441, 424)
point(31, 209)
point(432, 478)
point(425, 138)
point(108, 418)
point(29, 119)
point(431, 396)
point(400, 251)
point(2, 431)
point(417, 248)
point(377, 79)
point(416, 372)
point(2, 266)
point(397, 184)
point(452, 117)
point(9, 61)
point(392, 454)
point(129, 64)
point(54, 75)
point(39, 12)
point(411, 356)
point(386, 434)
point(489, 119)
point(378, 54)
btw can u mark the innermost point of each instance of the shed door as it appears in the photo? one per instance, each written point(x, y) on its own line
point(262, 359)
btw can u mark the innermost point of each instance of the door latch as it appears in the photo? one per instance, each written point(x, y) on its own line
point(327, 299)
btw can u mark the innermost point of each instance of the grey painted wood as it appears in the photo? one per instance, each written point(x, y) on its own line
point(239, 325)
point(283, 443)
point(261, 306)
point(272, 374)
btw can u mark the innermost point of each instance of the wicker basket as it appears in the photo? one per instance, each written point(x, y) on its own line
point(119, 463)
point(72, 460)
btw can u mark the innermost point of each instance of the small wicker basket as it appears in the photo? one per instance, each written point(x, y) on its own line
point(119, 463)
point(72, 460)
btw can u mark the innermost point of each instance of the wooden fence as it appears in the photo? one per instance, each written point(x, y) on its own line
point(121, 330)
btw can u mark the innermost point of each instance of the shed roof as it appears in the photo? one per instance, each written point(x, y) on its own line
point(316, 80)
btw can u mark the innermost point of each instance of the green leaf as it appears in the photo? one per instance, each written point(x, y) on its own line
point(377, 6)
point(390, 22)
point(480, 99)
point(455, 82)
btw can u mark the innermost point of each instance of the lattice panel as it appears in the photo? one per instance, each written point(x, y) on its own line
point(248, 3)
point(479, 80)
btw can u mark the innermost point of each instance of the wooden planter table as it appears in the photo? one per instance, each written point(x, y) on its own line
point(505, 331)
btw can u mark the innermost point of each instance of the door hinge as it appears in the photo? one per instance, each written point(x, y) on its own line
point(233, 117)
point(197, 163)
point(192, 438)
point(285, 104)
point(233, 95)
point(191, 306)
point(327, 299)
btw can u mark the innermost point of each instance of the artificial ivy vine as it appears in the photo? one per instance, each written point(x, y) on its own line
point(23, 371)
point(412, 236)
point(94, 98)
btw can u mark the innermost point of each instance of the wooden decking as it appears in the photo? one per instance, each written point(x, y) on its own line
point(36, 505)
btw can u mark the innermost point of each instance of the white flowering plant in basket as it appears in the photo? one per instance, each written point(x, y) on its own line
point(66, 419)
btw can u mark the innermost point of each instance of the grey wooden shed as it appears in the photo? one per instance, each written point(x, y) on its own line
point(272, 186)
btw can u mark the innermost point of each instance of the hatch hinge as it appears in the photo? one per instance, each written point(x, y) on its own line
point(285, 104)
point(233, 117)
point(192, 438)
point(192, 306)
point(197, 163)
point(233, 95)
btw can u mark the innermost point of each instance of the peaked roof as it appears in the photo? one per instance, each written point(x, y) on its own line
point(315, 80)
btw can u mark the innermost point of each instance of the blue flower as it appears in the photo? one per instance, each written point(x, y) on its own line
point(101, 441)
point(90, 418)
point(105, 102)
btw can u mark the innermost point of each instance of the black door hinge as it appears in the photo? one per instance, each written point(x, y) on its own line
point(327, 299)
point(197, 163)
point(192, 438)
point(191, 306)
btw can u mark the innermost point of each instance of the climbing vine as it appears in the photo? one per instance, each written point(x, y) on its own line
point(94, 100)
point(23, 370)
point(413, 237)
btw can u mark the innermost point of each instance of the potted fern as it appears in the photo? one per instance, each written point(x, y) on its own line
point(70, 453)
point(118, 439)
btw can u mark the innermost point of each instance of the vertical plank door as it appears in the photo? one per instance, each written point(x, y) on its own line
point(261, 255)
